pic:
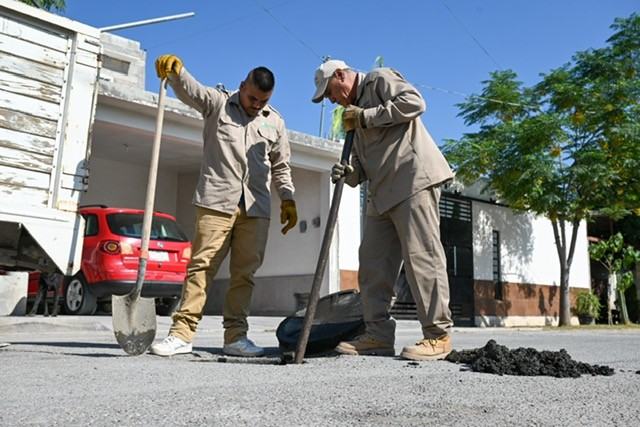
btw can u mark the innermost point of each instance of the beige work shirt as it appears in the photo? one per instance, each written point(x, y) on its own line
point(394, 151)
point(241, 153)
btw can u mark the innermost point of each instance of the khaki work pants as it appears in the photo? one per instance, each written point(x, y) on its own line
point(409, 232)
point(217, 234)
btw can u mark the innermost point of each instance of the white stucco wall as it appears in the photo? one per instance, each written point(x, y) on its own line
point(296, 253)
point(124, 185)
point(349, 229)
point(528, 251)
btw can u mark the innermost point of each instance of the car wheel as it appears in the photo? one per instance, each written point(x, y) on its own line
point(78, 299)
point(166, 306)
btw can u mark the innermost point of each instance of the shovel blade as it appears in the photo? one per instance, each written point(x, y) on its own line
point(134, 323)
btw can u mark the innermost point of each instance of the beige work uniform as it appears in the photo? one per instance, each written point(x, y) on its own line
point(241, 155)
point(405, 169)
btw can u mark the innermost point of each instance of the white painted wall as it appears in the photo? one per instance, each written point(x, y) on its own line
point(528, 248)
point(296, 253)
point(124, 185)
point(349, 229)
point(13, 293)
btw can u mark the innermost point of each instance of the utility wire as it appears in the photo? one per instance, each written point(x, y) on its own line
point(326, 58)
point(426, 87)
point(464, 95)
point(470, 35)
point(212, 28)
point(288, 30)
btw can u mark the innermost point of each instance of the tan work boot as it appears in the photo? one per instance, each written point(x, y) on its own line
point(428, 349)
point(365, 345)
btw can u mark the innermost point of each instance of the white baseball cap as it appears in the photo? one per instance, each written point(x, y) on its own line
point(324, 74)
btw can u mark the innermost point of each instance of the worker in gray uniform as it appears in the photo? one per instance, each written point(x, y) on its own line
point(245, 149)
point(405, 169)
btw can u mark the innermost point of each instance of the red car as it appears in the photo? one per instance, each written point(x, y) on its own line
point(110, 255)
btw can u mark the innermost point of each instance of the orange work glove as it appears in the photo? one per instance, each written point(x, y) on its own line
point(288, 214)
point(168, 64)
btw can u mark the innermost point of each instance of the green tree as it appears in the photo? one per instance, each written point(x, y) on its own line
point(617, 259)
point(47, 4)
point(565, 148)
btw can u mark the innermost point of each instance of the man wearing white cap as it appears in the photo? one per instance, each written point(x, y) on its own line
point(393, 151)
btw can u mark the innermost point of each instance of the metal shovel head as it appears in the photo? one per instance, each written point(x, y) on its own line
point(134, 323)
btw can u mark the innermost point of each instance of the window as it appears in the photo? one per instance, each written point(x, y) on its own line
point(130, 225)
point(114, 64)
point(497, 271)
point(90, 225)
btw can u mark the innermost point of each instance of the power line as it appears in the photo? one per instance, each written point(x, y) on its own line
point(326, 58)
point(288, 30)
point(470, 35)
point(464, 95)
point(420, 85)
point(212, 28)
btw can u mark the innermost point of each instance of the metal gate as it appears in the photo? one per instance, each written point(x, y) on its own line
point(457, 239)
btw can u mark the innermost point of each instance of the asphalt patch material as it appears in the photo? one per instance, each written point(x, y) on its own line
point(498, 359)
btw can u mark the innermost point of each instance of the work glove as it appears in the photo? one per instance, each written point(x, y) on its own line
point(352, 118)
point(288, 214)
point(168, 64)
point(351, 175)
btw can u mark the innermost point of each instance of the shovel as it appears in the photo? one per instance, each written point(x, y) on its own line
point(134, 318)
point(324, 254)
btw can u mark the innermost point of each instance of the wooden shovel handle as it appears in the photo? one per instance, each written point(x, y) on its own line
point(151, 192)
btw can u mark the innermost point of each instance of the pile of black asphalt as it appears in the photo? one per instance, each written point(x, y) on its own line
point(498, 359)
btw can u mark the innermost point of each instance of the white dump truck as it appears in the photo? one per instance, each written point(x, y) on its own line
point(49, 71)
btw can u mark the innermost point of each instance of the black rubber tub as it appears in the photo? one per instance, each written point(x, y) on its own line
point(338, 318)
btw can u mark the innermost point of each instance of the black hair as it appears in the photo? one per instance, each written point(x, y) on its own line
point(263, 78)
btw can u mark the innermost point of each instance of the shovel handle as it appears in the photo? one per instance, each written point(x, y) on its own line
point(324, 255)
point(151, 192)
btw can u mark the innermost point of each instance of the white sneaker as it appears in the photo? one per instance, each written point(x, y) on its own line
point(171, 345)
point(244, 347)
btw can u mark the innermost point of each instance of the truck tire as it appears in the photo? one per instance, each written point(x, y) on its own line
point(78, 299)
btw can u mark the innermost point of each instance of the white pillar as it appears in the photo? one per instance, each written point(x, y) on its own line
point(13, 293)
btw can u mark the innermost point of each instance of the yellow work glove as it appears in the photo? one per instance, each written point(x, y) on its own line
point(288, 214)
point(352, 118)
point(351, 176)
point(167, 64)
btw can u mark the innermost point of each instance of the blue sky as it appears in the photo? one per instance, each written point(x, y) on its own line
point(445, 47)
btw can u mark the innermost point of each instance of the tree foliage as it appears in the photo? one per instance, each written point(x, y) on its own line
point(565, 148)
point(58, 5)
point(617, 258)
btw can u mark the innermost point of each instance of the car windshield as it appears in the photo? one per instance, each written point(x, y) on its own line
point(130, 225)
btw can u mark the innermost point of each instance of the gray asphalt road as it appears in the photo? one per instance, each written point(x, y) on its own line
point(70, 371)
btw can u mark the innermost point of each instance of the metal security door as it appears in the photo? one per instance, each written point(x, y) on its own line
point(457, 239)
point(456, 236)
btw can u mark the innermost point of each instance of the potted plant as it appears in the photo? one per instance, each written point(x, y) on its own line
point(587, 307)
